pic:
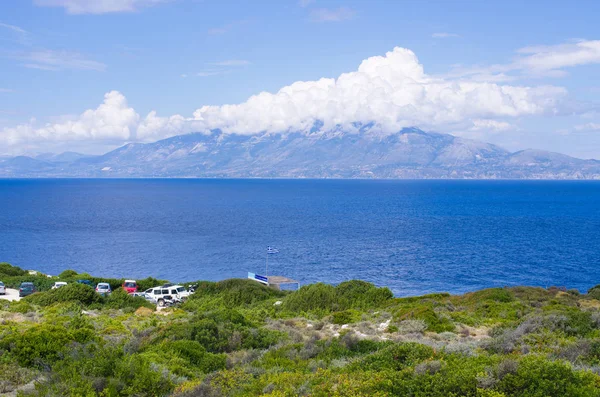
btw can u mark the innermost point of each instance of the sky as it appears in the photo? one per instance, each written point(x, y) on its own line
point(92, 75)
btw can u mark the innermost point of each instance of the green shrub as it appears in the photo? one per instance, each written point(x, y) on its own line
point(67, 274)
point(20, 307)
point(231, 293)
point(195, 355)
point(353, 294)
point(7, 270)
point(357, 294)
point(120, 299)
point(536, 376)
point(345, 317)
point(38, 346)
point(594, 292)
point(73, 292)
point(395, 357)
point(317, 296)
point(149, 282)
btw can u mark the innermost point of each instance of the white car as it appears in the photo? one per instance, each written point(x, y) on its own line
point(159, 294)
point(58, 284)
point(2, 288)
point(144, 295)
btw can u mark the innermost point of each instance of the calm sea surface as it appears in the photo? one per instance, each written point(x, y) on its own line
point(412, 236)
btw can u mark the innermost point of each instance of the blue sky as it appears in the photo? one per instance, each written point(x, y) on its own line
point(90, 75)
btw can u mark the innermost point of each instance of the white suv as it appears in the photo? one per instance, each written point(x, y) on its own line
point(160, 293)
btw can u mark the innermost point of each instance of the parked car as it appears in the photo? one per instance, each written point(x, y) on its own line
point(167, 293)
point(26, 289)
point(144, 295)
point(59, 284)
point(130, 286)
point(2, 288)
point(86, 282)
point(103, 289)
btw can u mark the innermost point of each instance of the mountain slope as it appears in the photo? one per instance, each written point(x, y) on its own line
point(410, 153)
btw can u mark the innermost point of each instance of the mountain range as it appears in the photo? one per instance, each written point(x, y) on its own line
point(409, 153)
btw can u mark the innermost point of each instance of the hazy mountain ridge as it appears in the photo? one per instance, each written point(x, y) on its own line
point(410, 153)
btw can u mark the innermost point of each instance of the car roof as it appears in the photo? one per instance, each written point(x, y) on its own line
point(129, 281)
point(104, 284)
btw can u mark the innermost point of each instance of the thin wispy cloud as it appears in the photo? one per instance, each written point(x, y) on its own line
point(231, 62)
point(587, 127)
point(5, 90)
point(77, 7)
point(14, 28)
point(444, 35)
point(536, 62)
point(306, 3)
point(208, 73)
point(332, 15)
point(51, 60)
point(219, 68)
point(21, 35)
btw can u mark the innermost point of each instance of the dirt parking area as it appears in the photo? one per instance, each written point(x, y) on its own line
point(11, 295)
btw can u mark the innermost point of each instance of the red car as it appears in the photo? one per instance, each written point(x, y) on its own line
point(130, 286)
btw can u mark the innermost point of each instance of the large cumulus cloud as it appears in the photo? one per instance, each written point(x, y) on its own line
point(391, 91)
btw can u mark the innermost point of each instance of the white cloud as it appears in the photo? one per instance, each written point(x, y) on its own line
point(6, 90)
point(231, 62)
point(22, 36)
point(332, 15)
point(98, 6)
point(153, 127)
point(588, 127)
point(211, 72)
point(391, 91)
point(537, 61)
point(549, 58)
point(444, 35)
point(305, 3)
point(58, 60)
point(13, 28)
point(490, 125)
point(112, 120)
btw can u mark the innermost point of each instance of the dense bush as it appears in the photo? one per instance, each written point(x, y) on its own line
point(120, 299)
point(231, 339)
point(395, 357)
point(347, 295)
point(594, 292)
point(38, 346)
point(7, 270)
point(232, 293)
point(536, 376)
point(67, 274)
point(74, 292)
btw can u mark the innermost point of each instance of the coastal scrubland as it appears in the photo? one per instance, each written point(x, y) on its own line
point(239, 338)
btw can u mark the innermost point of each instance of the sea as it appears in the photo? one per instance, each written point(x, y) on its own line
point(415, 237)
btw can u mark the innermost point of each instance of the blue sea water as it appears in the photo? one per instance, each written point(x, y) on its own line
point(413, 236)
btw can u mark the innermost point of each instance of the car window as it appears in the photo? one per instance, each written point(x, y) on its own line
point(165, 291)
point(129, 285)
point(180, 289)
point(156, 292)
point(174, 291)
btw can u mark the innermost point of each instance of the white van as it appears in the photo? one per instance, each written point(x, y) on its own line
point(159, 293)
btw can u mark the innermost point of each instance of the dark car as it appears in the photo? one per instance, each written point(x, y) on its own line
point(86, 282)
point(26, 289)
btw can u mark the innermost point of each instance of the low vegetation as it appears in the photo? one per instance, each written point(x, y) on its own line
point(240, 338)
